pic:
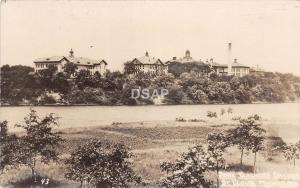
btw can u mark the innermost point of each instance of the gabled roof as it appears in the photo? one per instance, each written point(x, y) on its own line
point(52, 59)
point(215, 64)
point(76, 60)
point(85, 61)
point(235, 65)
point(239, 65)
point(192, 61)
point(145, 60)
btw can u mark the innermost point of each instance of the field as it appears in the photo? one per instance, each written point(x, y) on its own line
point(155, 142)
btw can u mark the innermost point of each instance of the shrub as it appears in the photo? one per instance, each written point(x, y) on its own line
point(188, 170)
point(180, 119)
point(39, 143)
point(291, 153)
point(273, 145)
point(212, 114)
point(101, 165)
point(248, 135)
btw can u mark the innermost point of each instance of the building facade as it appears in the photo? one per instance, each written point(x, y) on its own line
point(237, 69)
point(82, 63)
point(187, 64)
point(145, 64)
point(178, 66)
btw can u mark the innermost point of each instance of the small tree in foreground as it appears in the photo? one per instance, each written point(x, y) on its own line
point(291, 153)
point(217, 144)
point(3, 139)
point(39, 143)
point(101, 165)
point(256, 140)
point(229, 110)
point(247, 136)
point(3, 132)
point(188, 170)
point(223, 111)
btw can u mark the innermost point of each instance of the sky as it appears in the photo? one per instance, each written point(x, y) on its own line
point(262, 32)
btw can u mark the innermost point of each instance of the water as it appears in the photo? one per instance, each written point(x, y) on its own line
point(285, 114)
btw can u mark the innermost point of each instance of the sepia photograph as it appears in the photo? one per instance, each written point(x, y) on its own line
point(150, 94)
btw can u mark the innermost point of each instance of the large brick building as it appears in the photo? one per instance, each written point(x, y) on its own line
point(82, 63)
point(145, 64)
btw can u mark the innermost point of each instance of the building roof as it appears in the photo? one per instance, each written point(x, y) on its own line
point(145, 60)
point(186, 59)
point(239, 65)
point(235, 65)
point(85, 61)
point(52, 59)
point(215, 64)
point(76, 60)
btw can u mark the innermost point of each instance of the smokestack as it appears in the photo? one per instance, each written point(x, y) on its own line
point(229, 59)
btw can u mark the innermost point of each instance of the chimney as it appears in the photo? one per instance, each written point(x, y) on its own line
point(235, 60)
point(229, 59)
point(71, 53)
point(211, 61)
point(147, 54)
point(174, 58)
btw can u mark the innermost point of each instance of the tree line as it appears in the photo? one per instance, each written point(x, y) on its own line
point(99, 164)
point(21, 85)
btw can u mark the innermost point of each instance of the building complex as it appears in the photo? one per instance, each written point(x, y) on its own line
point(82, 63)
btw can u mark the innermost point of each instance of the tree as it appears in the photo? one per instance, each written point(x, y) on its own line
point(216, 146)
point(84, 79)
point(101, 164)
point(175, 95)
point(291, 153)
point(229, 110)
point(70, 68)
point(298, 145)
point(188, 170)
point(223, 111)
point(3, 131)
point(163, 81)
point(8, 146)
point(60, 83)
point(46, 76)
point(39, 143)
point(248, 135)
point(16, 83)
point(256, 140)
point(3, 139)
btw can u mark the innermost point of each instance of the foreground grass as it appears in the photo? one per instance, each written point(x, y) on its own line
point(152, 143)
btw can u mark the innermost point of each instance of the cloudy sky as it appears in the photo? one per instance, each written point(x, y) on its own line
point(262, 32)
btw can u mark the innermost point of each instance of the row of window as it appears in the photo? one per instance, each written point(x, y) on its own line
point(243, 70)
point(43, 65)
point(150, 66)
